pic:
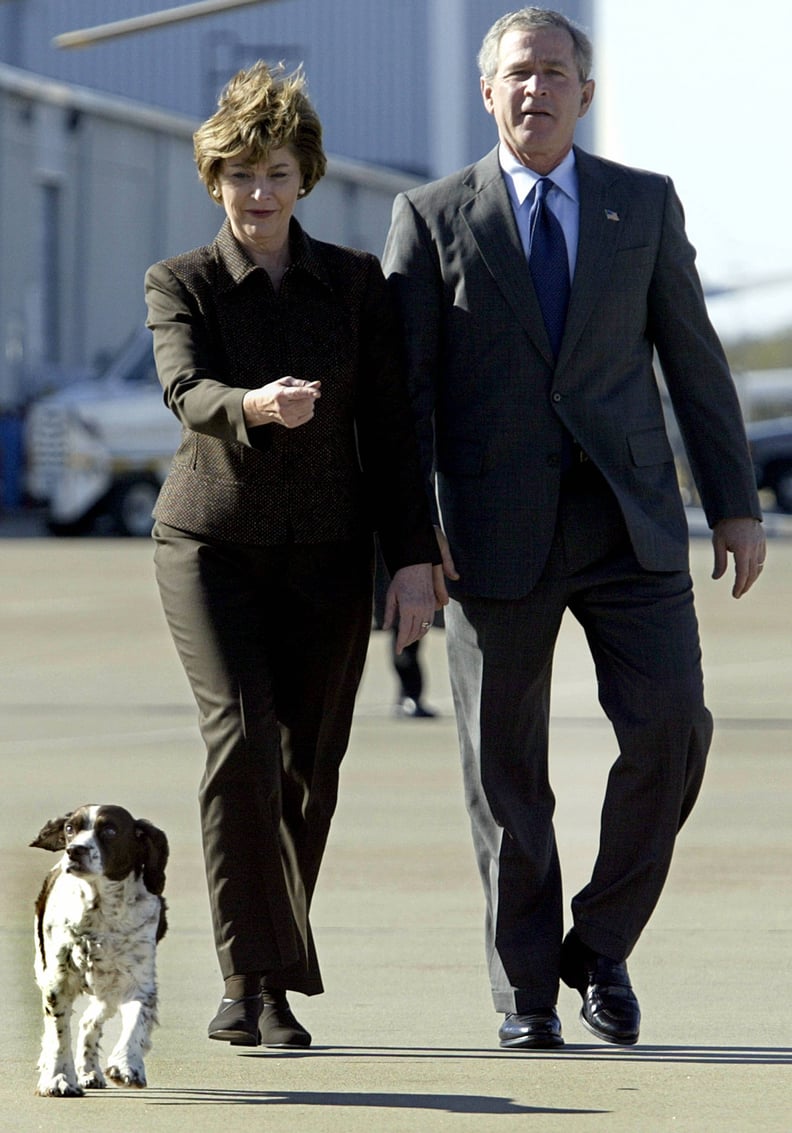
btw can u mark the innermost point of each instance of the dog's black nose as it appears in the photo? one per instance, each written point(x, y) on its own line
point(74, 853)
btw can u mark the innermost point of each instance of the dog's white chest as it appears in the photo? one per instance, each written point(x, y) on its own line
point(101, 931)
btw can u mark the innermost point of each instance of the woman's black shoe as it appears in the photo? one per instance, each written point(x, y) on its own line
point(277, 1025)
point(237, 1021)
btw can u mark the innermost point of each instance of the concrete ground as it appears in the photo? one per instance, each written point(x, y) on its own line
point(95, 708)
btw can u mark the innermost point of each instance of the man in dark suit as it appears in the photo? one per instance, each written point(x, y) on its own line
point(542, 429)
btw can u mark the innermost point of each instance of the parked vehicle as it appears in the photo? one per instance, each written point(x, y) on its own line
point(771, 449)
point(98, 451)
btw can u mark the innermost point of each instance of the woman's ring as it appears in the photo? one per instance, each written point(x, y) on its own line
point(426, 625)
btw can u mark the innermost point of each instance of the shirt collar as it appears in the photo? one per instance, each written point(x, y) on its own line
point(521, 180)
point(304, 252)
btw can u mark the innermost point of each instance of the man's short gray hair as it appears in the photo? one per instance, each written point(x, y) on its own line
point(526, 19)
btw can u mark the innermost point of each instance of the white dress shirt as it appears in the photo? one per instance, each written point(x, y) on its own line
point(562, 200)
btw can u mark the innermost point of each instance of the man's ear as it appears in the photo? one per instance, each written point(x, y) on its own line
point(586, 97)
point(486, 94)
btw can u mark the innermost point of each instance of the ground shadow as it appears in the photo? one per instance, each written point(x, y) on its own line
point(438, 1103)
point(589, 1052)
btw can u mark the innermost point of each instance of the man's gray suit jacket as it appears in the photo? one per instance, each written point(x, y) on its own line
point(491, 403)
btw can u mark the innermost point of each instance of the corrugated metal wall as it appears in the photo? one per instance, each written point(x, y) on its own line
point(369, 63)
point(93, 189)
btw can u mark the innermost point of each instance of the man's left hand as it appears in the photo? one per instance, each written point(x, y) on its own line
point(745, 539)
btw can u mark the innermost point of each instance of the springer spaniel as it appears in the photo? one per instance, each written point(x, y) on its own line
point(99, 916)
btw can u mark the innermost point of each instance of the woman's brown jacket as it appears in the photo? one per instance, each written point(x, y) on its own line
point(221, 329)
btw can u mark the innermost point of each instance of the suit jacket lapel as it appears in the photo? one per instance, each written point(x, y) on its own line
point(603, 208)
point(490, 221)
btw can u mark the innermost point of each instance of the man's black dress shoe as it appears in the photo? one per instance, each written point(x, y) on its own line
point(237, 1021)
point(535, 1030)
point(610, 1010)
point(277, 1024)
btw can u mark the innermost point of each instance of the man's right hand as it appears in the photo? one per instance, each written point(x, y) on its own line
point(443, 571)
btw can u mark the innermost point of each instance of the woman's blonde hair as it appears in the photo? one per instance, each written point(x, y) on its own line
point(260, 110)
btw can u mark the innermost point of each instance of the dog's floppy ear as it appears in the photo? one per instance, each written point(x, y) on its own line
point(153, 854)
point(52, 835)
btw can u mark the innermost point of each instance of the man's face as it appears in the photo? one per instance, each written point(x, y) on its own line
point(536, 96)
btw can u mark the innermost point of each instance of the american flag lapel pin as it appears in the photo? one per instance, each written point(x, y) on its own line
point(611, 214)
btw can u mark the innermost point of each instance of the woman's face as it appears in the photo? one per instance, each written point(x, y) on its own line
point(259, 198)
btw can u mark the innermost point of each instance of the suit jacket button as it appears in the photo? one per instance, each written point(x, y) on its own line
point(558, 396)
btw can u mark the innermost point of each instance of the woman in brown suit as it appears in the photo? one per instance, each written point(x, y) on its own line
point(279, 354)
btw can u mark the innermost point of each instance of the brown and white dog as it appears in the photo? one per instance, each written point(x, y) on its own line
point(99, 917)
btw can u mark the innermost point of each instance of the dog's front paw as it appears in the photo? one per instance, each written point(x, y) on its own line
point(127, 1075)
point(92, 1080)
point(58, 1086)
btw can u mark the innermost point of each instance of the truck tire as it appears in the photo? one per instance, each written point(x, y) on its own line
point(131, 504)
point(81, 526)
point(782, 486)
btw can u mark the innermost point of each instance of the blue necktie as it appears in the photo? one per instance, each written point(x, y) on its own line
point(549, 264)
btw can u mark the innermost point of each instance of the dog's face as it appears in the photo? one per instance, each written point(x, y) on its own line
point(100, 839)
point(107, 841)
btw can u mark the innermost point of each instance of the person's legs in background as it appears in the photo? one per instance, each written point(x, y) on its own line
point(406, 665)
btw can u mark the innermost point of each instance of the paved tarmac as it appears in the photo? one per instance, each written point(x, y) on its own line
point(95, 708)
